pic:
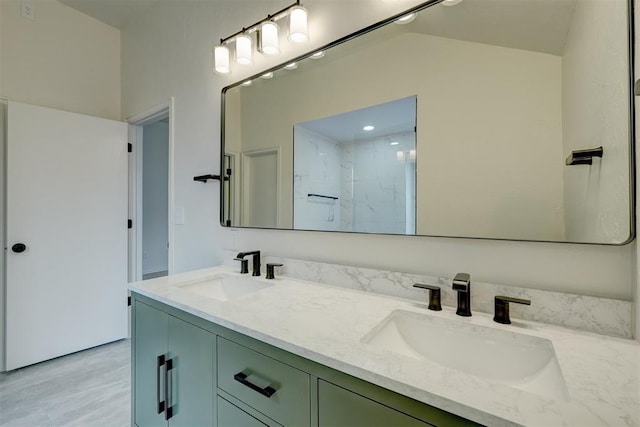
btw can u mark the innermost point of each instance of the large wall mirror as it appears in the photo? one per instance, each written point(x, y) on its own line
point(498, 119)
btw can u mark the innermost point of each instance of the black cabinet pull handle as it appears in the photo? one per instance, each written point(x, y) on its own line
point(168, 413)
point(267, 391)
point(159, 366)
point(19, 248)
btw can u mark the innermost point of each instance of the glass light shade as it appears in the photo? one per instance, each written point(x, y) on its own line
point(269, 40)
point(291, 66)
point(318, 55)
point(243, 49)
point(406, 19)
point(298, 32)
point(450, 2)
point(221, 59)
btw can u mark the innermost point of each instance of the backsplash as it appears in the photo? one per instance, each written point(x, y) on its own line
point(598, 315)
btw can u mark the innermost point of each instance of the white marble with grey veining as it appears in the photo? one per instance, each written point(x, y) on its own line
point(599, 315)
point(327, 324)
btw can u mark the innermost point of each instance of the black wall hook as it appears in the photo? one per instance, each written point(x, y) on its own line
point(583, 157)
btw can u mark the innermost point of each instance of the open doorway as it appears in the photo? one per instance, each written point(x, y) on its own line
point(150, 193)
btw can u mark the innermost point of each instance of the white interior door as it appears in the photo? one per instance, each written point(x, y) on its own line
point(67, 204)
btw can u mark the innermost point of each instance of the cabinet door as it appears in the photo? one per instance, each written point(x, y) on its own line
point(191, 377)
point(150, 341)
point(339, 407)
point(230, 415)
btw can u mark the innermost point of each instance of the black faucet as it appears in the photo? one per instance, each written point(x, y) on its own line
point(462, 285)
point(256, 260)
point(501, 306)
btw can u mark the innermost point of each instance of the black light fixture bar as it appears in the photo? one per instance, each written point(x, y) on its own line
point(583, 157)
point(252, 27)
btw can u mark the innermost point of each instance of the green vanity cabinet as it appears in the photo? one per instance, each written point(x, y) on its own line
point(173, 370)
point(221, 378)
point(341, 407)
point(289, 402)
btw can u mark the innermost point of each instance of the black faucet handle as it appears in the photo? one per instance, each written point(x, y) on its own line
point(244, 265)
point(501, 307)
point(461, 282)
point(434, 295)
point(271, 269)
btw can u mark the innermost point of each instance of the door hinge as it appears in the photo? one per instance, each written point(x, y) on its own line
point(128, 301)
point(130, 147)
point(129, 223)
point(229, 172)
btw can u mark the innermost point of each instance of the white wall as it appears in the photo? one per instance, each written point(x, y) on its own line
point(169, 53)
point(594, 84)
point(636, 254)
point(63, 59)
point(155, 197)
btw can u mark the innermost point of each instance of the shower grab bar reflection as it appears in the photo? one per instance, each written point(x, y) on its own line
point(322, 196)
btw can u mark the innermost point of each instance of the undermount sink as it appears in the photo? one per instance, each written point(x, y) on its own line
point(520, 361)
point(224, 287)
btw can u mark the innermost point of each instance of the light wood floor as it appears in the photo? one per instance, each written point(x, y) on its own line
point(88, 388)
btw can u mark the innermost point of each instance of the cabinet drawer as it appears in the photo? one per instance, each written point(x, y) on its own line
point(277, 390)
point(339, 407)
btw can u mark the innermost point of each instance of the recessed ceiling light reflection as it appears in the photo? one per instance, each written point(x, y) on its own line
point(291, 66)
point(319, 54)
point(368, 128)
point(394, 143)
point(247, 83)
point(267, 75)
point(451, 2)
point(407, 18)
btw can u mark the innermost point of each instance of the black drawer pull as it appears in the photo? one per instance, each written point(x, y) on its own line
point(168, 413)
point(159, 365)
point(265, 391)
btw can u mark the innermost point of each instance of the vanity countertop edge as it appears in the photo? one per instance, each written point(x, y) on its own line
point(327, 324)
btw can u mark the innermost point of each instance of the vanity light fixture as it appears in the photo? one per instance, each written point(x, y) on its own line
point(407, 18)
point(368, 128)
point(247, 83)
point(221, 58)
point(267, 39)
point(319, 54)
point(243, 49)
point(268, 75)
point(291, 66)
point(298, 32)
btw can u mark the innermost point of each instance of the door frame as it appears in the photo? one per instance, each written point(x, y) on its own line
point(245, 199)
point(136, 123)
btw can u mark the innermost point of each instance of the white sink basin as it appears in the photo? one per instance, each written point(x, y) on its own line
point(224, 287)
point(520, 361)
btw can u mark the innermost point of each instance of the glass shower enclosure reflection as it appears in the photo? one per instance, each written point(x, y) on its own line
point(356, 171)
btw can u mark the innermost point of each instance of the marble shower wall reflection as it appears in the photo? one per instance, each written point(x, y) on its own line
point(347, 179)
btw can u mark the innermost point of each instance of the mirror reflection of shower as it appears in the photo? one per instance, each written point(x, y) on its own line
point(356, 171)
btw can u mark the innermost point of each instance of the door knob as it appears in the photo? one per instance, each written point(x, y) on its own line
point(19, 248)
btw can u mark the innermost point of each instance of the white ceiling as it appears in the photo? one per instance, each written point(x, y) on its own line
point(117, 13)
point(537, 25)
point(388, 118)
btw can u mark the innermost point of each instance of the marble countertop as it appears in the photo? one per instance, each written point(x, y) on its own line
point(327, 325)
